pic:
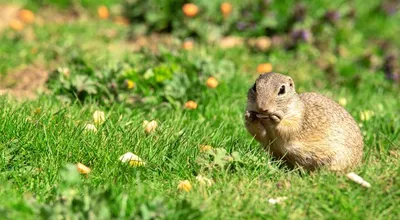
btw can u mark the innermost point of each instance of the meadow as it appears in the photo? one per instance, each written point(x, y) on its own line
point(189, 71)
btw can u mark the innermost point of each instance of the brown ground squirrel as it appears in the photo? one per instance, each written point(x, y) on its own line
point(308, 129)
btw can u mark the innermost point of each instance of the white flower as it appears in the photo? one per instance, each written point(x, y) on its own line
point(82, 169)
point(277, 200)
point(366, 115)
point(204, 180)
point(149, 127)
point(99, 117)
point(90, 128)
point(133, 159)
point(65, 71)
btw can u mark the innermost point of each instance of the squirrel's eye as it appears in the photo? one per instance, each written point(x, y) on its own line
point(282, 90)
point(254, 88)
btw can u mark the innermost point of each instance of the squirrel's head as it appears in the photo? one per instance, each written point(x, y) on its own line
point(273, 97)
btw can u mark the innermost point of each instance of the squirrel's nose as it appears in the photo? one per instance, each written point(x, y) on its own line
point(265, 110)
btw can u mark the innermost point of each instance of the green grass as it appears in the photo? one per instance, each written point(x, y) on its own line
point(38, 148)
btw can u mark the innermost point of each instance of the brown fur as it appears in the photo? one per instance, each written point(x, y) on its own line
point(309, 130)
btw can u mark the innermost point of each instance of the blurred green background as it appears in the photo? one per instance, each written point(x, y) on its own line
point(345, 42)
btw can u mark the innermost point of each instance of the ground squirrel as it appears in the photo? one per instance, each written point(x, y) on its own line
point(308, 129)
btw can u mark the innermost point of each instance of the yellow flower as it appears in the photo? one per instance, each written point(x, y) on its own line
point(226, 8)
point(37, 111)
point(185, 186)
point(212, 82)
point(264, 68)
point(16, 25)
point(133, 159)
point(366, 115)
point(188, 45)
point(90, 128)
point(26, 16)
point(205, 148)
point(98, 117)
point(261, 43)
point(103, 12)
point(149, 127)
point(191, 104)
point(135, 163)
point(82, 169)
point(130, 84)
point(190, 10)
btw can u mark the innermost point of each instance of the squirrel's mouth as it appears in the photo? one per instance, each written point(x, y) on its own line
point(271, 116)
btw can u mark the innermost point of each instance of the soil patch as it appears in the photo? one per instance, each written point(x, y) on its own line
point(24, 83)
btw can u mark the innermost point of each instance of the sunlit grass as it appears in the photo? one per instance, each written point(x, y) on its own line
point(42, 140)
point(36, 146)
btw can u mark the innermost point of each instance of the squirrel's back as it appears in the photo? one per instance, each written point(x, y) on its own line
point(336, 126)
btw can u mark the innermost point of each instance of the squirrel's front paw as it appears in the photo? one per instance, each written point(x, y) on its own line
point(254, 127)
point(250, 116)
